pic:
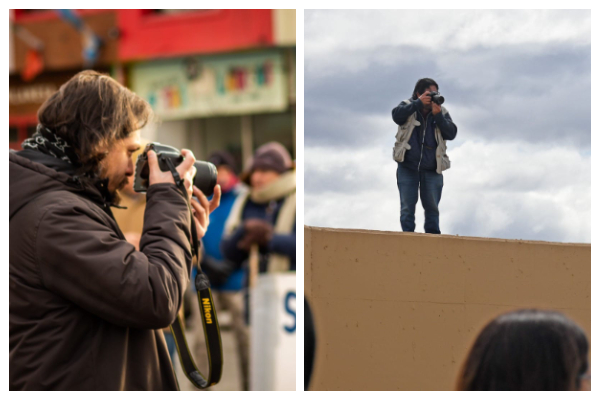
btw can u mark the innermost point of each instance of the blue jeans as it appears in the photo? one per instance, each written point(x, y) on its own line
point(431, 184)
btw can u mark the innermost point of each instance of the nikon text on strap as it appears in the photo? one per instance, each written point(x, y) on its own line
point(210, 324)
point(211, 333)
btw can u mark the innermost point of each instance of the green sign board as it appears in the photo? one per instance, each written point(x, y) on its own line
point(213, 85)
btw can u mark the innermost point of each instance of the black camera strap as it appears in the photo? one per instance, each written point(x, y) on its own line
point(210, 324)
point(212, 336)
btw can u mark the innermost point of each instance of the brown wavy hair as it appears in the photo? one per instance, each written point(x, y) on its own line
point(91, 112)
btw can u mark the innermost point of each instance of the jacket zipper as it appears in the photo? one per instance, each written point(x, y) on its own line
point(423, 142)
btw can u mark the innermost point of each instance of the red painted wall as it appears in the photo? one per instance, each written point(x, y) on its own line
point(146, 35)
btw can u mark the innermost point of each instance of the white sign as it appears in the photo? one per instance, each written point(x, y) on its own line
point(273, 332)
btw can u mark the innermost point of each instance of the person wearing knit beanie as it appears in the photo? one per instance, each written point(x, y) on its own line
point(271, 157)
point(226, 169)
point(223, 158)
point(264, 216)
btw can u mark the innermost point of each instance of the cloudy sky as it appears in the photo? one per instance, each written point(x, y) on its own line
point(517, 85)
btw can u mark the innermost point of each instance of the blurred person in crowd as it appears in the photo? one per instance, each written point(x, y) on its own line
point(528, 350)
point(265, 216)
point(420, 152)
point(222, 274)
point(85, 307)
point(226, 279)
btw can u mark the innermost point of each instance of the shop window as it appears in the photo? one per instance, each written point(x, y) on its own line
point(31, 129)
point(274, 128)
point(13, 134)
point(164, 14)
point(224, 133)
point(172, 12)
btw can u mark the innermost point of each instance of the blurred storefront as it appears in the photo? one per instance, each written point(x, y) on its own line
point(217, 79)
point(45, 51)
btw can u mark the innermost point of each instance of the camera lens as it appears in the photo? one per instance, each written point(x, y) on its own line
point(437, 98)
point(206, 177)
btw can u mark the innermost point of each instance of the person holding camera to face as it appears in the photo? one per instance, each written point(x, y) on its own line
point(424, 126)
point(85, 307)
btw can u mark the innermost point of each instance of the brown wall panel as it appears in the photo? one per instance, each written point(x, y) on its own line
point(398, 311)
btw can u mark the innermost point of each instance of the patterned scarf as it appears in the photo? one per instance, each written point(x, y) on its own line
point(47, 142)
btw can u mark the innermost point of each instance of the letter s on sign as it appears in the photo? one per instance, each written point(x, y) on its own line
point(291, 310)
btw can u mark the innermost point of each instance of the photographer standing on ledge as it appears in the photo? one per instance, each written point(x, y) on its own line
point(420, 151)
point(86, 308)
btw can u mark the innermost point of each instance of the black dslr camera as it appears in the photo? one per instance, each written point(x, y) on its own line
point(437, 98)
point(206, 173)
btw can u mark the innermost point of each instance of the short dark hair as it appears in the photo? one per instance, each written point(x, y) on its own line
point(422, 85)
point(91, 112)
point(526, 350)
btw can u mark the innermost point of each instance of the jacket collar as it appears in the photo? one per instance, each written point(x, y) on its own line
point(61, 171)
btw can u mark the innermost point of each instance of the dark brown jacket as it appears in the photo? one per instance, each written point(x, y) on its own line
point(85, 307)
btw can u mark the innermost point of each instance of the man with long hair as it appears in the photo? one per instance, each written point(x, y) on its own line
point(86, 308)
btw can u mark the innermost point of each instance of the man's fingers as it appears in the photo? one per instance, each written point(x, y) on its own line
point(216, 200)
point(200, 213)
point(187, 163)
point(152, 161)
point(201, 198)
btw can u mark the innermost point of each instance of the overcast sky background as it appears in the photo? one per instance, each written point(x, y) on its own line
point(517, 84)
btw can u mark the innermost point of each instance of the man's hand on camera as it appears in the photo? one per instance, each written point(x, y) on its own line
point(425, 98)
point(435, 108)
point(186, 171)
point(203, 208)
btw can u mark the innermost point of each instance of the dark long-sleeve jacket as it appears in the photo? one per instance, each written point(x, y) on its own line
point(85, 306)
point(421, 155)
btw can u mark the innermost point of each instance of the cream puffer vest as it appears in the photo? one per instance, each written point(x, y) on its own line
point(403, 136)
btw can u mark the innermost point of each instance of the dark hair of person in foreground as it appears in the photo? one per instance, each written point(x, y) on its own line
point(309, 344)
point(527, 350)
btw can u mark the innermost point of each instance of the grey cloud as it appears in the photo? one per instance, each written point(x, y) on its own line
point(524, 218)
point(360, 175)
point(344, 129)
point(498, 94)
point(521, 160)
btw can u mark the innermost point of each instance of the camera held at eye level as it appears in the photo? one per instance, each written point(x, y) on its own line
point(206, 173)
